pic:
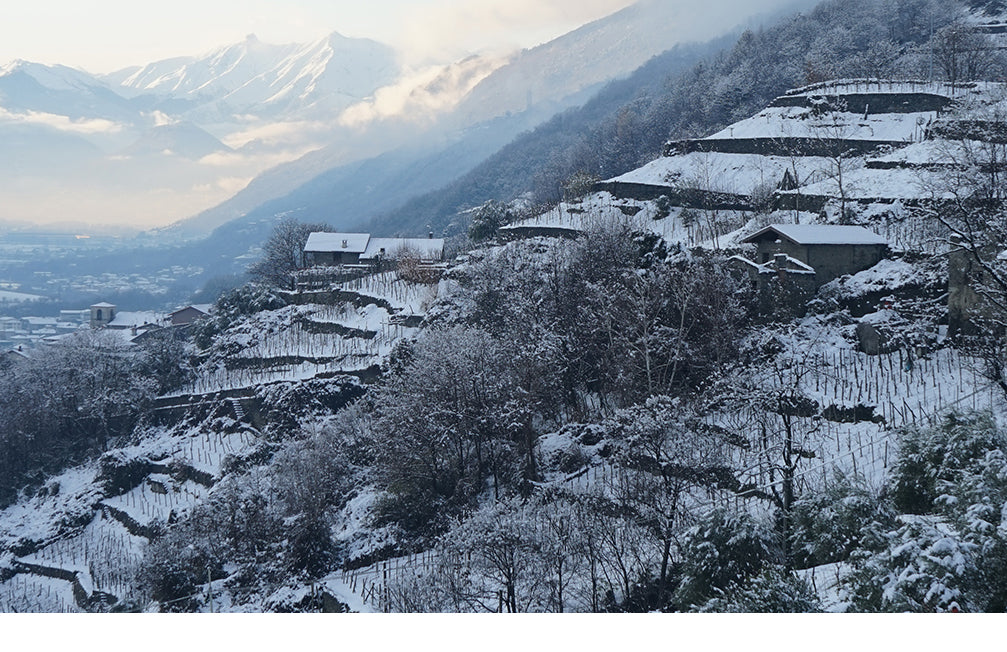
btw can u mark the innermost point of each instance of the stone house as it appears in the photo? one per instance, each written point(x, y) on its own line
point(831, 250)
point(189, 314)
point(335, 248)
point(793, 260)
point(102, 314)
point(969, 311)
point(327, 249)
point(781, 283)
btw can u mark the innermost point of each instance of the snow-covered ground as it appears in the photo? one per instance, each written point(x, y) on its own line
point(799, 122)
point(603, 208)
point(300, 342)
point(79, 530)
point(728, 173)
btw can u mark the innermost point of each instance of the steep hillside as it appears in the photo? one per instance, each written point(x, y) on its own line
point(754, 374)
point(708, 97)
point(351, 196)
point(515, 97)
point(549, 332)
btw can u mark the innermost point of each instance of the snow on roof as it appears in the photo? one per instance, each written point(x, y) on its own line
point(354, 243)
point(204, 308)
point(426, 247)
point(791, 265)
point(130, 319)
point(821, 234)
point(103, 305)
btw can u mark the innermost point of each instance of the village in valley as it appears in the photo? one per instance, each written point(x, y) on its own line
point(760, 370)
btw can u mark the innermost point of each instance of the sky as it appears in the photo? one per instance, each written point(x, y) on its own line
point(105, 35)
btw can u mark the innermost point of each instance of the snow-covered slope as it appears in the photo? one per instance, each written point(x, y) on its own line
point(183, 139)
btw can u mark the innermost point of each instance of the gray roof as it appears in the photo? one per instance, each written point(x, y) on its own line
point(820, 234)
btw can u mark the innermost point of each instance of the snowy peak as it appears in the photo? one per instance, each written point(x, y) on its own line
point(182, 139)
point(258, 78)
point(213, 74)
point(60, 91)
point(57, 78)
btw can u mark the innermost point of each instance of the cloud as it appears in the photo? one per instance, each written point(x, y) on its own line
point(421, 95)
point(162, 119)
point(273, 134)
point(257, 162)
point(63, 123)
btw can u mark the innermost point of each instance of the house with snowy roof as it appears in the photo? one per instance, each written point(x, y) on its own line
point(793, 260)
point(131, 324)
point(360, 248)
point(190, 314)
point(829, 250)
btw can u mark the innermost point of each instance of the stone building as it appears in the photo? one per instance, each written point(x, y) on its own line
point(831, 250)
point(793, 260)
point(969, 312)
point(102, 314)
point(360, 248)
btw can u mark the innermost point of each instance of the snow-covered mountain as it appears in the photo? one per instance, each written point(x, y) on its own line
point(278, 81)
point(602, 50)
point(60, 90)
point(189, 131)
point(338, 100)
point(181, 139)
point(506, 98)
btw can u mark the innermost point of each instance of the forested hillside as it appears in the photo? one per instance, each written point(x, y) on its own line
point(860, 38)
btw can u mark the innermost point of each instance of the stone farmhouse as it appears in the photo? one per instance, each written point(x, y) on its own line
point(831, 250)
point(793, 260)
point(190, 314)
point(329, 249)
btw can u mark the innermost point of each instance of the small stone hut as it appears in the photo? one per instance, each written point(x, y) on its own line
point(794, 260)
point(830, 250)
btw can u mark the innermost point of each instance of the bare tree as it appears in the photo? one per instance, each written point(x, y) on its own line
point(962, 53)
point(283, 252)
point(878, 61)
point(835, 130)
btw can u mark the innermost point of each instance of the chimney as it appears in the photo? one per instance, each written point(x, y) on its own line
point(430, 235)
